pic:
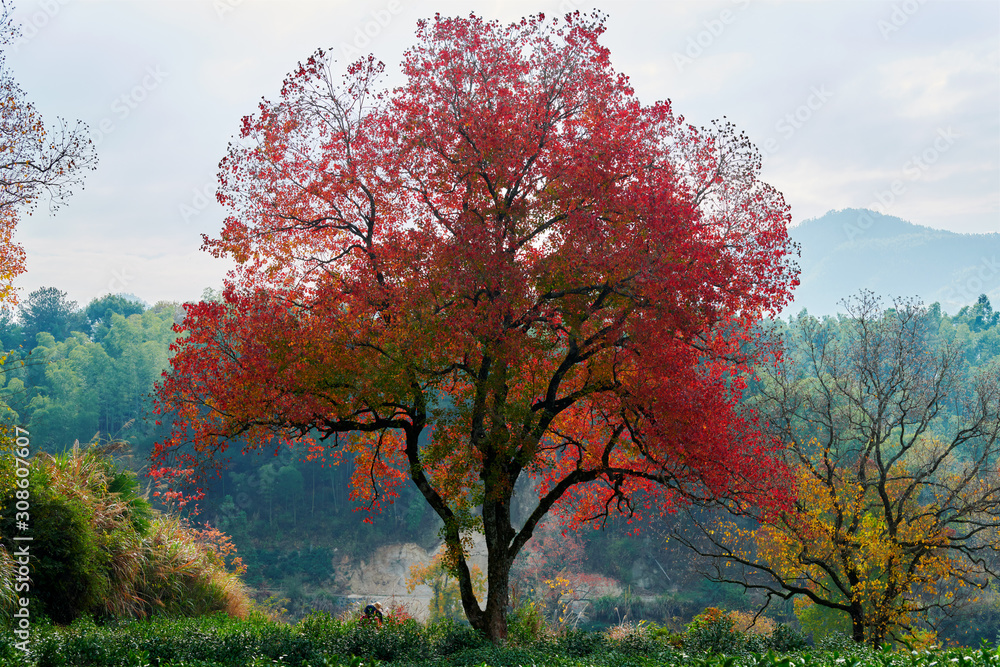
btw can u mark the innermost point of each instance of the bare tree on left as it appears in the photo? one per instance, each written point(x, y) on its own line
point(37, 162)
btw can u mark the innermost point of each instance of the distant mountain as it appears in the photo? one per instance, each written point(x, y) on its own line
point(845, 251)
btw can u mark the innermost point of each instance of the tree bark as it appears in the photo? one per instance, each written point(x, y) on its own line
point(858, 627)
point(499, 533)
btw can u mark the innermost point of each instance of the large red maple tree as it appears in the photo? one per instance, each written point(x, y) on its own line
point(505, 267)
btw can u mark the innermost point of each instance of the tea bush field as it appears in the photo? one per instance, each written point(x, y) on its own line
point(321, 640)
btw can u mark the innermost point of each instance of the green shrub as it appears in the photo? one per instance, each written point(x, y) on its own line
point(840, 642)
point(448, 636)
point(398, 638)
point(579, 643)
point(785, 640)
point(631, 639)
point(526, 624)
point(184, 572)
point(217, 640)
point(712, 631)
point(69, 576)
point(98, 548)
point(221, 641)
point(498, 656)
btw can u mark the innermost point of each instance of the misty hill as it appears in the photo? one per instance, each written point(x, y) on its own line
point(845, 251)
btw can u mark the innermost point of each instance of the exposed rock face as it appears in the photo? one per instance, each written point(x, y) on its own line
point(382, 577)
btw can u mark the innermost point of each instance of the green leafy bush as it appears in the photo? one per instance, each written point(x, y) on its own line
point(221, 641)
point(526, 623)
point(99, 548)
point(631, 639)
point(448, 636)
point(69, 569)
point(786, 640)
point(578, 643)
point(712, 631)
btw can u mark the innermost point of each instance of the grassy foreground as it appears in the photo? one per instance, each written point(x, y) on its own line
point(322, 640)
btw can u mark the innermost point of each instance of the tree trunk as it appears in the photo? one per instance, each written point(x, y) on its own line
point(492, 620)
point(497, 529)
point(858, 627)
point(494, 624)
point(499, 534)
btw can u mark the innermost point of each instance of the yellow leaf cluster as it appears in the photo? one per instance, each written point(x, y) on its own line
point(856, 543)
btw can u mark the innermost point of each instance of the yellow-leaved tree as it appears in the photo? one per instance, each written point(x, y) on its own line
point(894, 446)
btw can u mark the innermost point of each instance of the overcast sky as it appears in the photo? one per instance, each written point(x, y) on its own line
point(887, 105)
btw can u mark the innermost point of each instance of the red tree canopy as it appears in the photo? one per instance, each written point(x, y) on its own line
point(508, 265)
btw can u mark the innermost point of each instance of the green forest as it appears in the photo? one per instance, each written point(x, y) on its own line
point(81, 379)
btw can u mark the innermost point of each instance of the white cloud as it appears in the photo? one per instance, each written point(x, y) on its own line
point(937, 85)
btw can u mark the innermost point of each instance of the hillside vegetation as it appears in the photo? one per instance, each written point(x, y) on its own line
point(72, 372)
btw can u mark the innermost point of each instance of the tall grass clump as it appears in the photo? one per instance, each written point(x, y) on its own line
point(184, 572)
point(7, 593)
point(100, 549)
point(8, 484)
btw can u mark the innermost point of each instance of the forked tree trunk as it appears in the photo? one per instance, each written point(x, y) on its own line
point(499, 481)
point(491, 620)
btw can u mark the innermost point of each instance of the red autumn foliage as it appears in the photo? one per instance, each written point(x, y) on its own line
point(506, 266)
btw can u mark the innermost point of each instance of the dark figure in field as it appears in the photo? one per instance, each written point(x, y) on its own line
point(373, 612)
